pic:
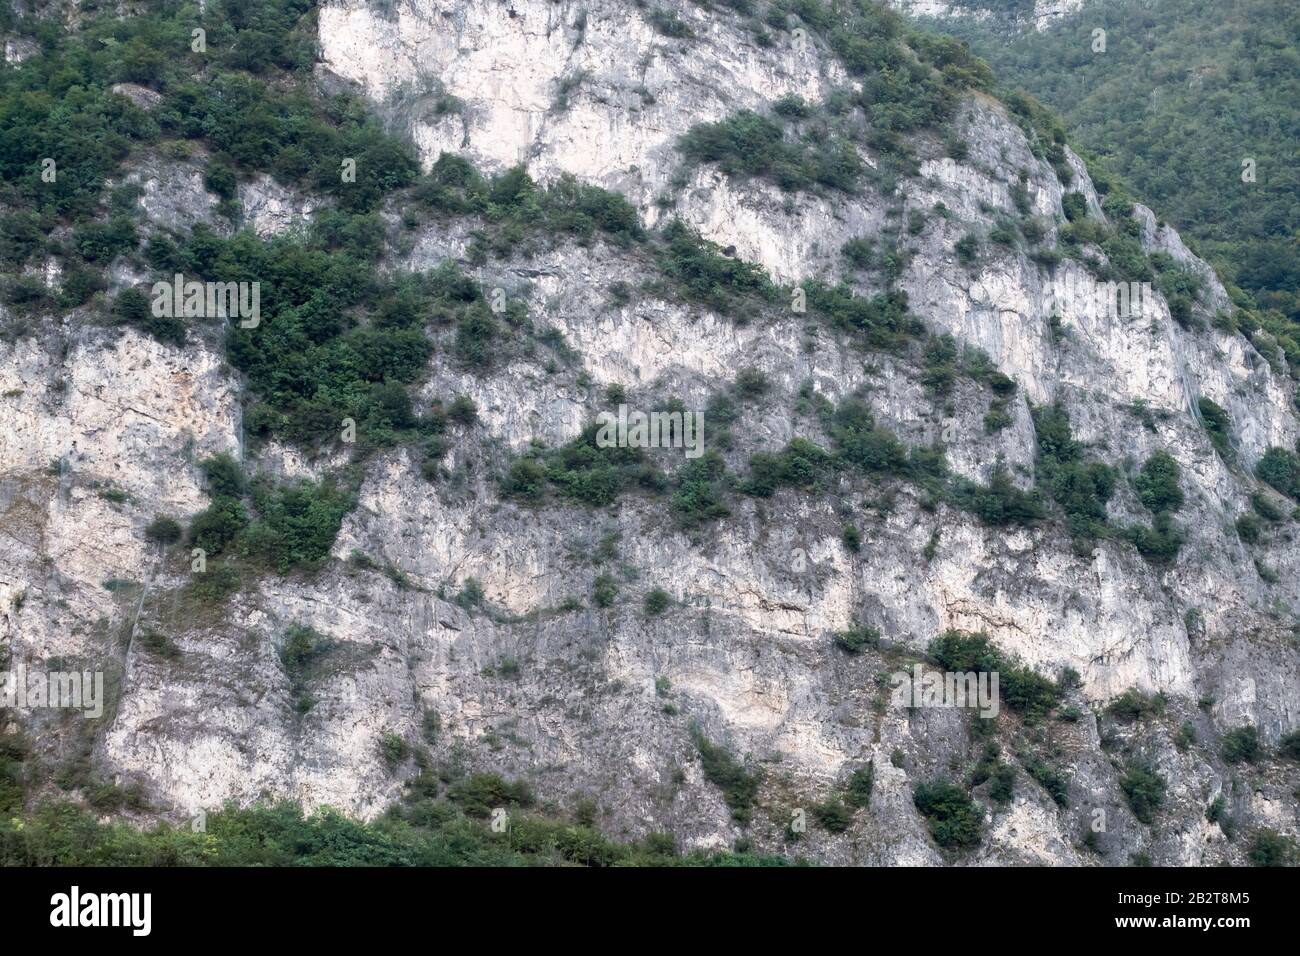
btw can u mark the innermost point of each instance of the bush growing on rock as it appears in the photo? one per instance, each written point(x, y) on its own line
point(1075, 206)
point(1145, 790)
point(393, 749)
point(225, 479)
point(481, 793)
point(1050, 779)
point(302, 647)
point(1002, 789)
point(1135, 705)
point(1026, 690)
point(1158, 484)
point(132, 307)
point(295, 525)
point(1218, 426)
point(657, 601)
point(158, 644)
point(423, 832)
point(747, 144)
point(751, 383)
point(1217, 813)
point(700, 273)
point(1281, 469)
point(859, 252)
point(218, 525)
point(1241, 745)
point(833, 816)
point(1082, 488)
point(861, 442)
point(967, 249)
point(1249, 528)
point(861, 784)
point(1020, 687)
point(960, 652)
point(669, 24)
point(462, 410)
point(739, 786)
point(525, 481)
point(214, 585)
point(471, 596)
point(698, 498)
point(857, 638)
point(852, 538)
point(1000, 502)
point(1159, 543)
point(163, 530)
point(603, 590)
point(1269, 848)
point(798, 465)
point(1289, 746)
point(955, 820)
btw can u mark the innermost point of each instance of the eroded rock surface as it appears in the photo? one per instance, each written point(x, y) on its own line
point(745, 653)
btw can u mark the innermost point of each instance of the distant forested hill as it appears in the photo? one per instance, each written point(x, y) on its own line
point(1184, 93)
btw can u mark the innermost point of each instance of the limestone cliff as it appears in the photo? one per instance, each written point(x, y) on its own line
point(600, 701)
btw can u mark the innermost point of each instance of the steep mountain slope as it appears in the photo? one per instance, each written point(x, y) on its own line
point(701, 646)
point(1193, 105)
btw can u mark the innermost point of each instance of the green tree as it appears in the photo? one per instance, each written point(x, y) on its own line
point(1158, 484)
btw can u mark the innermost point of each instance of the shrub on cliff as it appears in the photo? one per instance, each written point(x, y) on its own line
point(955, 820)
point(1281, 469)
point(739, 786)
point(1145, 790)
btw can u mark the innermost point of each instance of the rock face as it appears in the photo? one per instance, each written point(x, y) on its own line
point(600, 701)
point(1040, 14)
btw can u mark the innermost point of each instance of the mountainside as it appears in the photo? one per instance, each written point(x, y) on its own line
point(407, 563)
point(1193, 105)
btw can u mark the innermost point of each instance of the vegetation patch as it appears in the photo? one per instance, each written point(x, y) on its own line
point(747, 144)
point(283, 527)
point(1144, 789)
point(1020, 687)
point(739, 786)
point(1241, 745)
point(424, 833)
point(955, 820)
